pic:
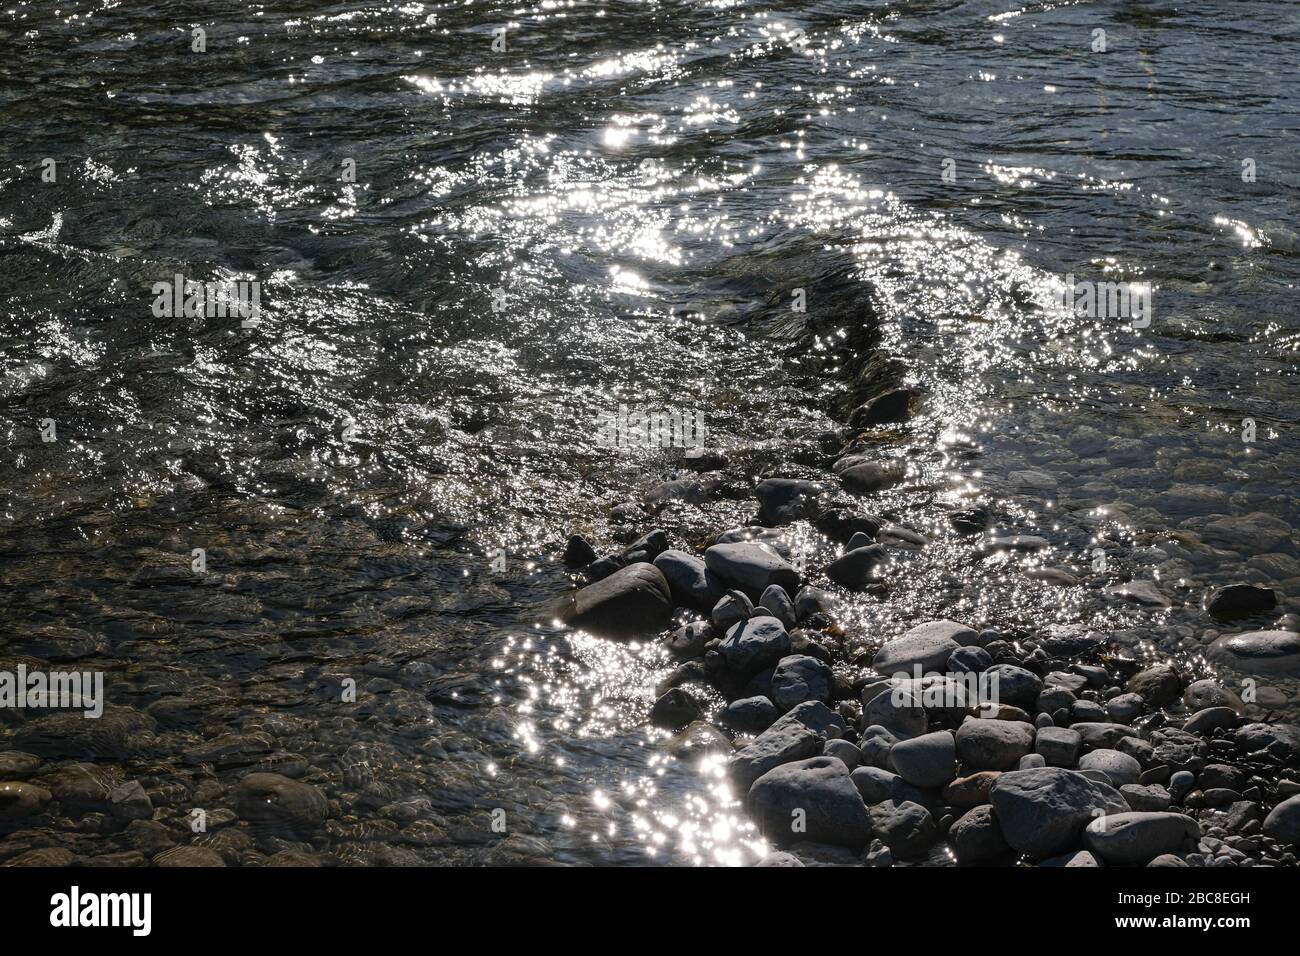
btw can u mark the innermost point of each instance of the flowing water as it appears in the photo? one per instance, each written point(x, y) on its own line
point(467, 255)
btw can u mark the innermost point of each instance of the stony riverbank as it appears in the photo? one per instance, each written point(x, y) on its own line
point(949, 741)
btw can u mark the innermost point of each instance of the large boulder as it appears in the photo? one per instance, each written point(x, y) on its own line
point(855, 569)
point(751, 567)
point(811, 799)
point(1043, 811)
point(1259, 652)
point(632, 601)
point(1137, 838)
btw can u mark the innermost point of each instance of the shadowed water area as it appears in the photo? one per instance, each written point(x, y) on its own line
point(615, 210)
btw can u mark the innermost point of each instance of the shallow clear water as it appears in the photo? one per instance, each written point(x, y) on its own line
point(614, 210)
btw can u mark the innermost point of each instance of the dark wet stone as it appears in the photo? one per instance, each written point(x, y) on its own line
point(675, 709)
point(20, 800)
point(189, 856)
point(856, 569)
point(295, 858)
point(632, 601)
point(1158, 685)
point(810, 601)
point(276, 801)
point(578, 553)
point(81, 787)
point(889, 407)
point(1283, 822)
point(690, 582)
point(15, 765)
point(970, 521)
point(1210, 719)
point(811, 799)
point(1258, 652)
point(783, 500)
point(130, 802)
point(1282, 741)
point(777, 602)
point(687, 642)
point(841, 524)
point(1239, 600)
point(646, 548)
point(1144, 593)
point(230, 750)
point(868, 477)
point(117, 734)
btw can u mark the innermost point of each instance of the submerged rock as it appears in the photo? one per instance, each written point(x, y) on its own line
point(783, 500)
point(1239, 600)
point(855, 569)
point(1259, 652)
point(270, 799)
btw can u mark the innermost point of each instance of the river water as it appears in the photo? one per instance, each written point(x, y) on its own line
point(467, 254)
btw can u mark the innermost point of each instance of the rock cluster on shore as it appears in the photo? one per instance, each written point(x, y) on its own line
point(952, 742)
